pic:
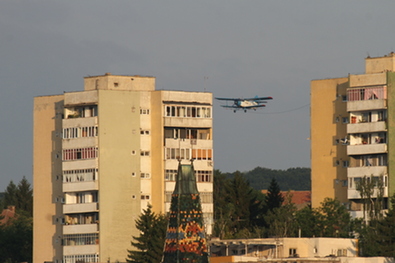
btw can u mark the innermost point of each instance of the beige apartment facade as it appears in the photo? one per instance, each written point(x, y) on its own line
point(352, 126)
point(103, 154)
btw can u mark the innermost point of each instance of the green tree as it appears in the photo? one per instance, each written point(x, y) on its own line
point(10, 197)
point(241, 196)
point(372, 200)
point(20, 196)
point(149, 244)
point(274, 198)
point(16, 239)
point(334, 219)
point(24, 197)
point(385, 238)
point(281, 220)
point(308, 222)
point(223, 207)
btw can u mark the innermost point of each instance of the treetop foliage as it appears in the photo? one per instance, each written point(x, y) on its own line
point(291, 179)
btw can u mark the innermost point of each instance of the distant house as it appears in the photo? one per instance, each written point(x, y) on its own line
point(7, 214)
point(301, 199)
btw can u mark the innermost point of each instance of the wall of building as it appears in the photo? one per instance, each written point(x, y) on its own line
point(47, 171)
point(119, 168)
point(391, 132)
point(328, 109)
point(117, 82)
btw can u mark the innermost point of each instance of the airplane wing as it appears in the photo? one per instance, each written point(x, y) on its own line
point(228, 99)
point(230, 106)
point(259, 98)
point(254, 106)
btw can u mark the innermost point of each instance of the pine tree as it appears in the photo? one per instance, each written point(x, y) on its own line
point(274, 198)
point(223, 207)
point(149, 245)
point(10, 195)
point(24, 197)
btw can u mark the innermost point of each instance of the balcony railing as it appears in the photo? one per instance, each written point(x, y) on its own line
point(366, 170)
point(80, 229)
point(379, 126)
point(80, 208)
point(366, 149)
point(80, 186)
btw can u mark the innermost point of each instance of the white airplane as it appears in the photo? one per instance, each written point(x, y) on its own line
point(245, 104)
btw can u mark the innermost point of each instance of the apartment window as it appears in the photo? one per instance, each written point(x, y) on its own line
point(145, 197)
point(81, 258)
point(144, 111)
point(345, 119)
point(80, 175)
point(292, 252)
point(80, 239)
point(176, 133)
point(367, 93)
point(145, 175)
point(145, 153)
point(170, 175)
point(204, 176)
point(177, 153)
point(345, 164)
point(344, 98)
point(344, 183)
point(188, 111)
point(381, 116)
point(144, 132)
point(83, 218)
point(202, 154)
point(81, 111)
point(79, 153)
point(367, 161)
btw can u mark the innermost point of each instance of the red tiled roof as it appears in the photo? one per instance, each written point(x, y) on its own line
point(299, 198)
point(7, 213)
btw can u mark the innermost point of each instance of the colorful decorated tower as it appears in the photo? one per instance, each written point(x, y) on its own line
point(185, 237)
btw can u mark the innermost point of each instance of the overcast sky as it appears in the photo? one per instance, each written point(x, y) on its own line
point(229, 48)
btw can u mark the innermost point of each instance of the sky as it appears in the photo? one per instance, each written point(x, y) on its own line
point(227, 47)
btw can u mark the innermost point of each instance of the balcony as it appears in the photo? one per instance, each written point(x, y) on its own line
point(80, 208)
point(80, 229)
point(364, 105)
point(187, 122)
point(79, 122)
point(81, 250)
point(366, 149)
point(364, 127)
point(366, 170)
point(354, 194)
point(186, 143)
point(80, 186)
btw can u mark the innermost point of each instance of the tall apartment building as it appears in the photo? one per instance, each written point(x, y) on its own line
point(102, 154)
point(352, 134)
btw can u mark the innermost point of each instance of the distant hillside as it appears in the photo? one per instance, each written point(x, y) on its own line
point(290, 179)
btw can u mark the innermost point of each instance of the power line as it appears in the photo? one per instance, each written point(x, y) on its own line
point(279, 112)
